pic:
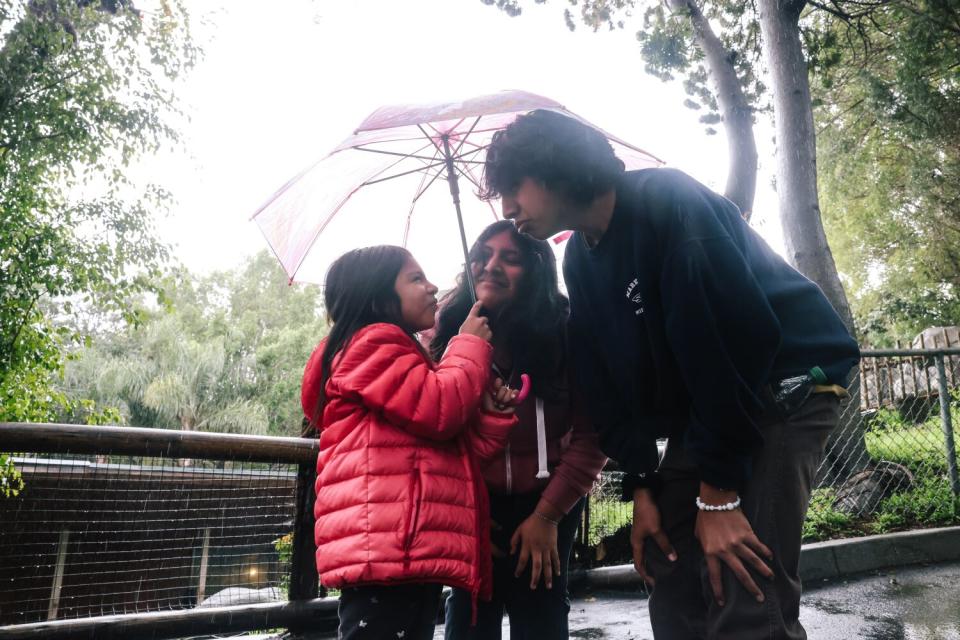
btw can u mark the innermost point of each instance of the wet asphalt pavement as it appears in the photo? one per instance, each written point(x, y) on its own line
point(916, 603)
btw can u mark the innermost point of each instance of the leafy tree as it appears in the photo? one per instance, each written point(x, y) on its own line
point(85, 88)
point(182, 380)
point(227, 354)
point(677, 37)
point(889, 143)
point(11, 482)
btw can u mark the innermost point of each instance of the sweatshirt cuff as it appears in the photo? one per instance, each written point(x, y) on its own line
point(725, 472)
point(630, 482)
point(561, 495)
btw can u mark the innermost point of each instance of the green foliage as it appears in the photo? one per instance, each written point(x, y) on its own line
point(284, 547)
point(824, 521)
point(11, 482)
point(668, 45)
point(86, 89)
point(607, 515)
point(226, 354)
point(931, 503)
point(919, 447)
point(889, 169)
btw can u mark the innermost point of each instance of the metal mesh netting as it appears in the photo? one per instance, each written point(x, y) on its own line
point(893, 434)
point(607, 512)
point(891, 442)
point(100, 535)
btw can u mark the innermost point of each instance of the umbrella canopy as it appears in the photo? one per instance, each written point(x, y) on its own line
point(379, 186)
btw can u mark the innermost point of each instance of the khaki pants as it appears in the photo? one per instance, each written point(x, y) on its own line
point(775, 502)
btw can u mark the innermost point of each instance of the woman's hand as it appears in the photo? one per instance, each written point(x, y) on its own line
point(499, 399)
point(536, 538)
point(475, 324)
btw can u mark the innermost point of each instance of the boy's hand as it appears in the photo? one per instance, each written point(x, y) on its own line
point(475, 324)
point(499, 399)
point(646, 524)
point(726, 536)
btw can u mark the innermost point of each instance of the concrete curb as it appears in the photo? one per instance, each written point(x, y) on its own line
point(823, 560)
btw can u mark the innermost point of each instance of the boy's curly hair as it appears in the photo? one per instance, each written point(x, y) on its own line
point(565, 155)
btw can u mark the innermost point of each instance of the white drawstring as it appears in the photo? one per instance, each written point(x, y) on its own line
point(542, 471)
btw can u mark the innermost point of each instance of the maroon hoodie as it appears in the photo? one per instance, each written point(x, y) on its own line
point(571, 455)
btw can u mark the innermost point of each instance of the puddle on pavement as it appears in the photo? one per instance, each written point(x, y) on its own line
point(828, 607)
point(590, 633)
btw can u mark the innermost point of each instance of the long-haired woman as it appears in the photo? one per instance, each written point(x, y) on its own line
point(538, 482)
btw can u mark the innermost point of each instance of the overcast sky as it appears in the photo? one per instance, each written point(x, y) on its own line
point(283, 82)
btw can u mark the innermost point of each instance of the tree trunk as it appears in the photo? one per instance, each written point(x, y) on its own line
point(736, 112)
point(806, 242)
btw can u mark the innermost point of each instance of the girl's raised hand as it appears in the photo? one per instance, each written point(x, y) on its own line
point(499, 399)
point(475, 324)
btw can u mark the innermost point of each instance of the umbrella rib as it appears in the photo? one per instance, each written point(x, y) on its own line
point(400, 175)
point(424, 189)
point(429, 137)
point(469, 177)
point(461, 157)
point(339, 206)
point(463, 140)
point(420, 191)
point(397, 153)
point(368, 181)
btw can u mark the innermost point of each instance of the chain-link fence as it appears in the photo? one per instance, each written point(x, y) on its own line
point(892, 457)
point(896, 436)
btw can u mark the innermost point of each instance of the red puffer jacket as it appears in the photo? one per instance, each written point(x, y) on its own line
point(400, 497)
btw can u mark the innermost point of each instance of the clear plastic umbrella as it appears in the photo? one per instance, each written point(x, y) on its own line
point(379, 186)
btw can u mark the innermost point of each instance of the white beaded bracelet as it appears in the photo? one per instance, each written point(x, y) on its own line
point(730, 506)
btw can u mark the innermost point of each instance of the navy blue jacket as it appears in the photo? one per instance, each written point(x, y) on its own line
point(680, 316)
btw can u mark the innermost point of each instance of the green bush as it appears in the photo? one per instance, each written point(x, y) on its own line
point(931, 503)
point(918, 447)
point(284, 547)
point(11, 482)
point(824, 520)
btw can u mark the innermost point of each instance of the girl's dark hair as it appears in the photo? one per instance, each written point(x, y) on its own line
point(533, 325)
point(567, 156)
point(360, 289)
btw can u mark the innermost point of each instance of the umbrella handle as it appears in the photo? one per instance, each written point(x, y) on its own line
point(524, 389)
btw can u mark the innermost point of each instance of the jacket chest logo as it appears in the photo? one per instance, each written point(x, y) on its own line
point(633, 295)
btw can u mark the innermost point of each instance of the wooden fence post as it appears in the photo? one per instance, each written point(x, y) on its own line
point(304, 581)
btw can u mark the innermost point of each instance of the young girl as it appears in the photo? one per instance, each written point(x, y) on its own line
point(552, 458)
point(401, 508)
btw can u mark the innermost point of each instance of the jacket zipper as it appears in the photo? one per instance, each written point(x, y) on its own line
point(506, 453)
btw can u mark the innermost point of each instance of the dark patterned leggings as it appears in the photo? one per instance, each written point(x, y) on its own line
point(404, 612)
